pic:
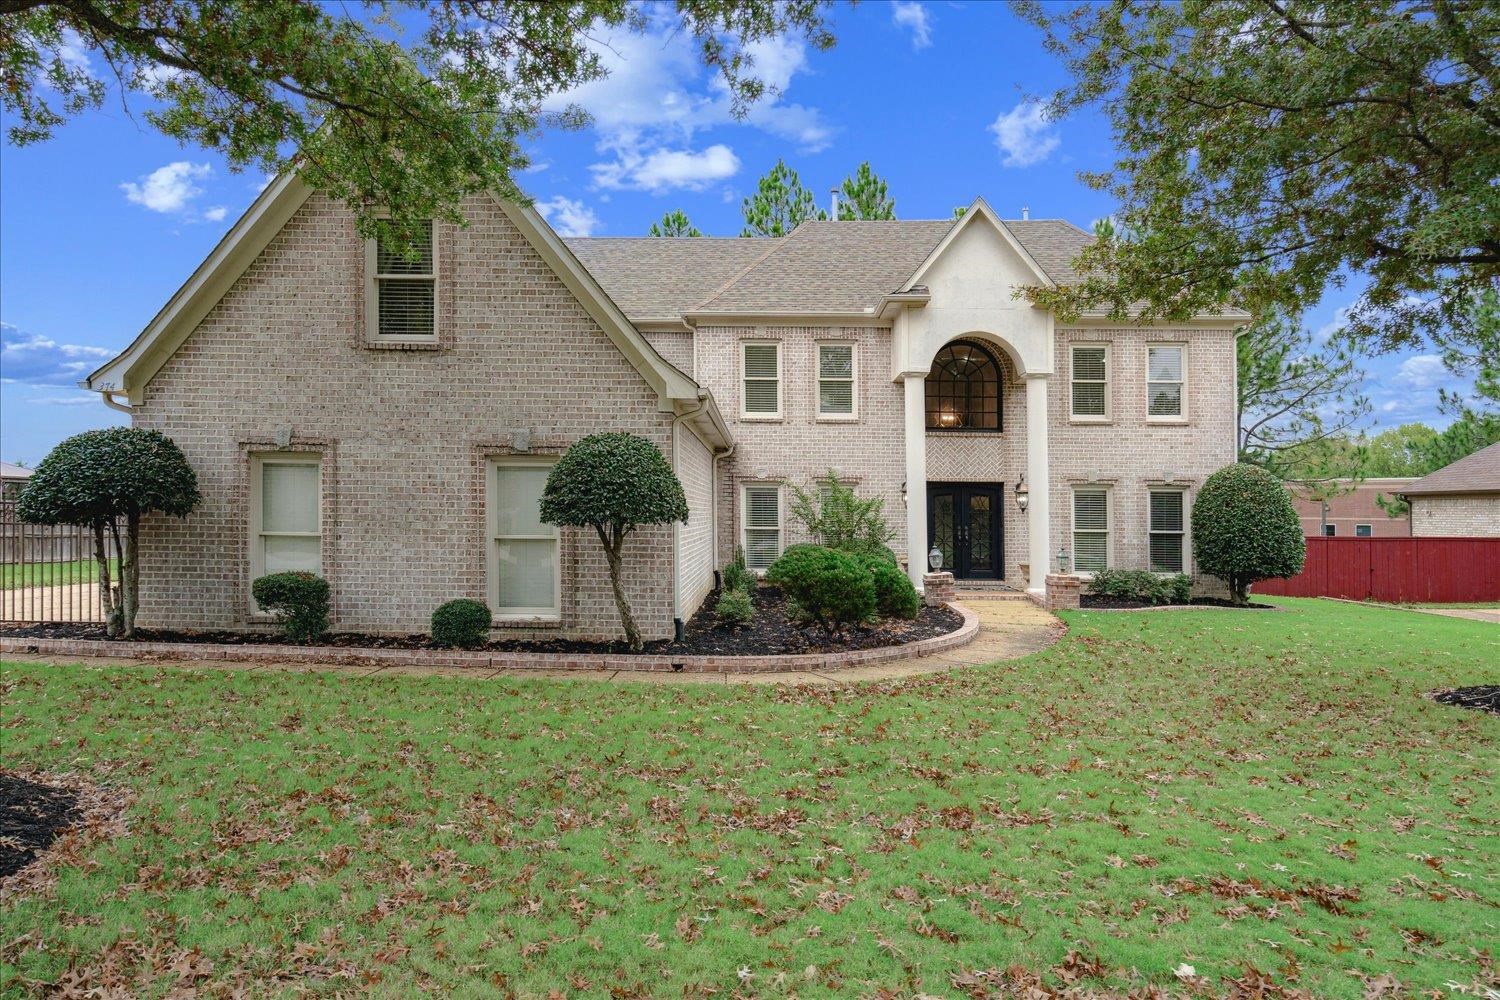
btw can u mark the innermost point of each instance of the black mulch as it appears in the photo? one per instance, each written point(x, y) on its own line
point(32, 816)
point(1485, 697)
point(768, 633)
point(1102, 603)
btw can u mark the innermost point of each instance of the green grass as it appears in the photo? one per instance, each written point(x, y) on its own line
point(16, 575)
point(1201, 788)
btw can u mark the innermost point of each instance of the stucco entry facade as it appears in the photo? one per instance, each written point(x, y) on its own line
point(396, 449)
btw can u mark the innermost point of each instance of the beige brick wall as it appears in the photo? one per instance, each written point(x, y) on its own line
point(404, 433)
point(1472, 516)
point(1130, 454)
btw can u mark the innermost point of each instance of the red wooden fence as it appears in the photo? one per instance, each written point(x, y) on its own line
point(1399, 570)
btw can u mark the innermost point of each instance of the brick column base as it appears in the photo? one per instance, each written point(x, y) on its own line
point(938, 589)
point(1063, 592)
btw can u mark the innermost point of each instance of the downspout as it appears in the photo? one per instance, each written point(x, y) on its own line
point(113, 404)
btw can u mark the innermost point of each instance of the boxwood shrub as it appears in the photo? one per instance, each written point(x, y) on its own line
point(462, 624)
point(830, 587)
point(298, 600)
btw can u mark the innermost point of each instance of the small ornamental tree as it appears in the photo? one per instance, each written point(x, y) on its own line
point(615, 483)
point(97, 477)
point(1245, 528)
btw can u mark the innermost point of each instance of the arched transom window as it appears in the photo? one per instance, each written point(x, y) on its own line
point(963, 389)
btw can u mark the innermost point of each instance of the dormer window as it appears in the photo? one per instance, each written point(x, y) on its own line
point(963, 389)
point(401, 289)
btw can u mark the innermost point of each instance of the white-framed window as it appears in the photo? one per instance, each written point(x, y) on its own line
point(525, 554)
point(1330, 530)
point(1165, 365)
point(760, 382)
point(286, 514)
point(1167, 530)
point(761, 520)
point(836, 387)
point(401, 289)
point(1090, 381)
point(1090, 529)
point(1363, 530)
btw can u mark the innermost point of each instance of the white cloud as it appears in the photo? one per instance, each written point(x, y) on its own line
point(1024, 135)
point(169, 188)
point(913, 17)
point(568, 217)
point(154, 76)
point(74, 52)
point(82, 399)
point(36, 360)
point(667, 169)
point(1422, 371)
point(216, 214)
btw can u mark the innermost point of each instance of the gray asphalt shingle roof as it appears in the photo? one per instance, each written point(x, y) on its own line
point(819, 267)
point(1479, 473)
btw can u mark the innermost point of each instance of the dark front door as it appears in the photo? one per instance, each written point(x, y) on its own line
point(964, 522)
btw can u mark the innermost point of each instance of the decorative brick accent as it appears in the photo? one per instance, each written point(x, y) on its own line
point(1063, 592)
point(938, 589)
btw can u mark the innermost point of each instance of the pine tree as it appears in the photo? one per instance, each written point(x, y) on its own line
point(674, 223)
point(863, 196)
point(780, 204)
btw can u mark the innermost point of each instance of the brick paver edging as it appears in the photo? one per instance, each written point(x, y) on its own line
point(962, 636)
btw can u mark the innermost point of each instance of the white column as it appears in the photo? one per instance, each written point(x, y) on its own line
point(1038, 482)
point(916, 477)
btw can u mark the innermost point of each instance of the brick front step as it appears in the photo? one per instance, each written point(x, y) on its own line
point(482, 659)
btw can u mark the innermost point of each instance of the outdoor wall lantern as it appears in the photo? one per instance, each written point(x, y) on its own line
point(935, 559)
point(1062, 560)
point(1023, 495)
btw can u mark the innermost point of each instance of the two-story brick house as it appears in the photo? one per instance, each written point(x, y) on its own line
point(388, 422)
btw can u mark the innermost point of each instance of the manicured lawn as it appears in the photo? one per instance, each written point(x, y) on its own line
point(16, 575)
point(1236, 791)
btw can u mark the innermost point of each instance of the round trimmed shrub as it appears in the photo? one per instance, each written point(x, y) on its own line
point(894, 594)
point(299, 600)
point(462, 624)
point(734, 608)
point(1245, 529)
point(832, 588)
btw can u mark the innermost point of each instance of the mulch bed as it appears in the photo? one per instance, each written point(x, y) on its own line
point(769, 632)
point(1101, 603)
point(1485, 697)
point(32, 816)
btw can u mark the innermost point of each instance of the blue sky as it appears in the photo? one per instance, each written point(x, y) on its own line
point(100, 225)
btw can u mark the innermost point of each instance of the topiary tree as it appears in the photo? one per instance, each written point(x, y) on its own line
point(1245, 528)
point(615, 483)
point(97, 477)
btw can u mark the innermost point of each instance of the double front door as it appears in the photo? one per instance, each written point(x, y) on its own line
point(964, 521)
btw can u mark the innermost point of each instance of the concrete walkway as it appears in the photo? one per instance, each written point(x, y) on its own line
point(1473, 614)
point(65, 602)
point(1010, 626)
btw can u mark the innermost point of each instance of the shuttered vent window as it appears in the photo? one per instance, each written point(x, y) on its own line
point(1090, 530)
point(1164, 381)
point(406, 288)
point(1091, 381)
point(1166, 531)
point(762, 391)
point(762, 525)
point(835, 380)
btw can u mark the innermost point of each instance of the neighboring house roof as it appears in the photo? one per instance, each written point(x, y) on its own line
point(8, 471)
point(664, 277)
point(1478, 473)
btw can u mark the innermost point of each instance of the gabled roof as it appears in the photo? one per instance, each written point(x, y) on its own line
point(133, 368)
point(661, 277)
point(1478, 473)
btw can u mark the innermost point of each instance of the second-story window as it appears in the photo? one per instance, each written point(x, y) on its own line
point(1164, 380)
point(835, 380)
point(760, 394)
point(402, 288)
point(1090, 388)
point(963, 389)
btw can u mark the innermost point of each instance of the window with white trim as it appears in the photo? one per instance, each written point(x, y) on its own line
point(1167, 530)
point(1363, 531)
point(1090, 381)
point(762, 524)
point(835, 380)
point(1090, 529)
point(401, 291)
point(760, 392)
point(1164, 364)
point(1330, 530)
point(525, 558)
point(286, 513)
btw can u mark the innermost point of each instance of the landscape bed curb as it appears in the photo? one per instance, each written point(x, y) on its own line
point(583, 662)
